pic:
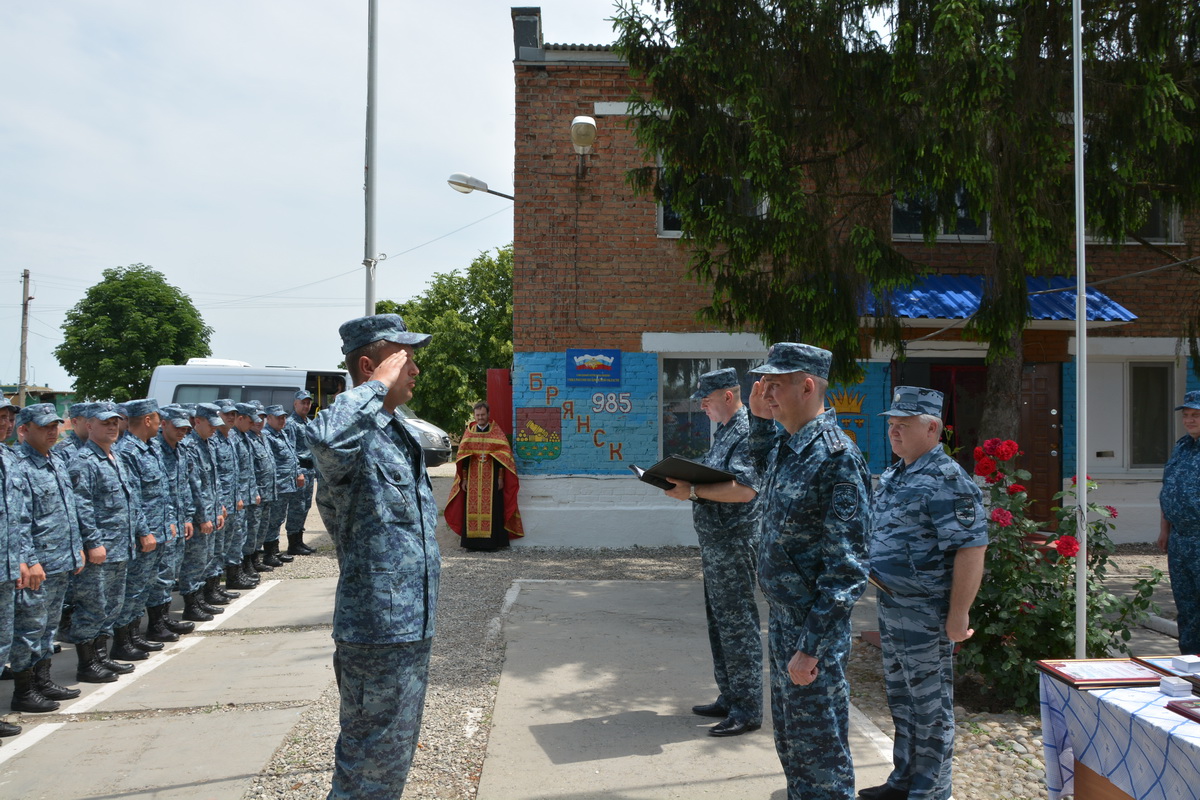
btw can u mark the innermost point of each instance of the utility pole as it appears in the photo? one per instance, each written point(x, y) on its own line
point(25, 298)
point(370, 257)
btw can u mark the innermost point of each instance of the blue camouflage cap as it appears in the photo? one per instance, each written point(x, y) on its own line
point(38, 414)
point(6, 403)
point(226, 406)
point(142, 407)
point(177, 415)
point(909, 401)
point(303, 394)
point(274, 411)
point(78, 410)
point(122, 411)
point(105, 409)
point(221, 401)
point(247, 410)
point(190, 408)
point(717, 379)
point(785, 357)
point(1190, 400)
point(362, 331)
point(209, 412)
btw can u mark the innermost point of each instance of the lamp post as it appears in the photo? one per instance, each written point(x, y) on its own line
point(462, 182)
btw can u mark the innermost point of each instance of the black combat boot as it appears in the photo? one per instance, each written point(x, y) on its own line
point(156, 628)
point(119, 667)
point(204, 605)
point(224, 591)
point(139, 641)
point(192, 610)
point(26, 697)
point(8, 729)
point(296, 545)
point(248, 570)
point(269, 554)
point(234, 579)
point(256, 559)
point(282, 555)
point(175, 625)
point(123, 646)
point(46, 684)
point(90, 670)
point(213, 595)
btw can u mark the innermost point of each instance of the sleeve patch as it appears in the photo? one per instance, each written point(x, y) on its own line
point(845, 501)
point(964, 511)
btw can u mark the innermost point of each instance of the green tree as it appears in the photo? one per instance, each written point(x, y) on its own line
point(471, 318)
point(817, 114)
point(125, 326)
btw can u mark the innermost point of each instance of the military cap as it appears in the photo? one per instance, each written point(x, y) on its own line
point(303, 394)
point(6, 403)
point(247, 410)
point(103, 410)
point(362, 331)
point(122, 411)
point(142, 407)
point(209, 412)
point(38, 414)
point(274, 411)
point(78, 410)
point(190, 408)
point(177, 415)
point(909, 401)
point(785, 357)
point(717, 379)
point(222, 401)
point(226, 406)
point(258, 405)
point(1190, 400)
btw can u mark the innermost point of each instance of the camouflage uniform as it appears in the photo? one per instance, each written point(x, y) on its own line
point(247, 490)
point(300, 501)
point(109, 517)
point(143, 463)
point(287, 467)
point(54, 530)
point(16, 547)
point(182, 500)
point(264, 476)
point(222, 446)
point(377, 504)
point(729, 537)
point(1179, 500)
point(923, 513)
point(812, 569)
point(198, 551)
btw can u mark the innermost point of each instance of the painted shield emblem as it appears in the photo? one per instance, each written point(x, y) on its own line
point(964, 511)
point(845, 501)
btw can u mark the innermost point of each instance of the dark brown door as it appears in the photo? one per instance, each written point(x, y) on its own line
point(1041, 435)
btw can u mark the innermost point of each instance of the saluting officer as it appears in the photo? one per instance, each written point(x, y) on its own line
point(928, 540)
point(811, 565)
point(377, 504)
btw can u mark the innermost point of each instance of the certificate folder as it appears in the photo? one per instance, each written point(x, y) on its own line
point(681, 469)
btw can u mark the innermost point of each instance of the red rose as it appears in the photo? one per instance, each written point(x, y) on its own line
point(1002, 517)
point(995, 477)
point(1015, 489)
point(1007, 450)
point(1067, 546)
point(1112, 511)
point(990, 446)
point(978, 453)
point(1026, 607)
point(985, 466)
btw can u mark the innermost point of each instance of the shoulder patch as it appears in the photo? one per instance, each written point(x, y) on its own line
point(833, 442)
point(964, 511)
point(950, 470)
point(845, 501)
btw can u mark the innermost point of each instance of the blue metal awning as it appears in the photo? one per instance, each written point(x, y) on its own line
point(958, 296)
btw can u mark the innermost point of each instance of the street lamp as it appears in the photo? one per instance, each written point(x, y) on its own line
point(461, 182)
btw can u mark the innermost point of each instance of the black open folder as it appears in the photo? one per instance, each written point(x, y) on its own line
point(681, 469)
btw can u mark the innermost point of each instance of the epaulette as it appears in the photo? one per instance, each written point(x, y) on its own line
point(949, 469)
point(833, 442)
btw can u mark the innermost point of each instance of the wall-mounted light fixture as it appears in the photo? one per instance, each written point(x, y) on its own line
point(462, 182)
point(583, 136)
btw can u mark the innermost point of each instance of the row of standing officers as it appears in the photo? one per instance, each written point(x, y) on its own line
point(137, 501)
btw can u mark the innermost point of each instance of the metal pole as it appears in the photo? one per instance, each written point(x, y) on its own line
point(25, 298)
point(1081, 449)
point(369, 259)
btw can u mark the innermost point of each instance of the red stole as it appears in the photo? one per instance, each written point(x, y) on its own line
point(469, 508)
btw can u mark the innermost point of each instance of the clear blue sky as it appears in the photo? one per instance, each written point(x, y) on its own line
point(221, 142)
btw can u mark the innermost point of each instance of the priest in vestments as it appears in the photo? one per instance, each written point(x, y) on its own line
point(482, 508)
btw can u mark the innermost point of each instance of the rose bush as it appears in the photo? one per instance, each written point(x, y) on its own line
point(1025, 609)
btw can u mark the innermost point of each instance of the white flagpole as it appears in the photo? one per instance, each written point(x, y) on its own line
point(1081, 449)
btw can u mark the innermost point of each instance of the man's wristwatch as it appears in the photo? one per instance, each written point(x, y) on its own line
point(692, 493)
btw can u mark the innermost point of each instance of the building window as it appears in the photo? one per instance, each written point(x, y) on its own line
point(909, 213)
point(1151, 420)
point(741, 198)
point(1161, 226)
point(685, 429)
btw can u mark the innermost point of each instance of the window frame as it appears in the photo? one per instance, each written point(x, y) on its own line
point(714, 360)
point(943, 235)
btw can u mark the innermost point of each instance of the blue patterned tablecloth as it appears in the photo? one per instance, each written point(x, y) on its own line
point(1126, 735)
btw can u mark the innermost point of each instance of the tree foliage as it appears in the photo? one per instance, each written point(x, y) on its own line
point(471, 318)
point(804, 105)
point(126, 325)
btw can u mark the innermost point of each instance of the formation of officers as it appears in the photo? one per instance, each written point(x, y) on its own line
point(137, 501)
point(800, 519)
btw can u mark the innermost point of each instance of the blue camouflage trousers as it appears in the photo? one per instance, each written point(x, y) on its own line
point(382, 690)
point(219, 543)
point(99, 596)
point(1183, 562)
point(812, 723)
point(168, 571)
point(35, 621)
point(253, 526)
point(918, 672)
point(140, 577)
point(730, 564)
point(197, 552)
point(299, 502)
point(237, 536)
point(279, 510)
point(8, 591)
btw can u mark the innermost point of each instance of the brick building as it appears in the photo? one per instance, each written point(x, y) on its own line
point(608, 346)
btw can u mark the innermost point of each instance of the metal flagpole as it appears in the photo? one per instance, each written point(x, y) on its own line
point(1081, 448)
point(369, 256)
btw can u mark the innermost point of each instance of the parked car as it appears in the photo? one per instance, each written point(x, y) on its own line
point(433, 440)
